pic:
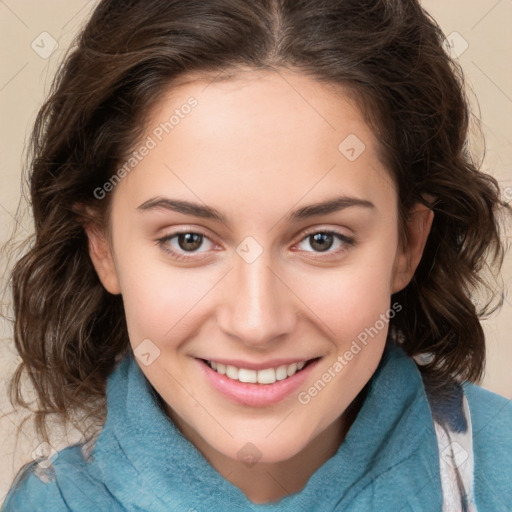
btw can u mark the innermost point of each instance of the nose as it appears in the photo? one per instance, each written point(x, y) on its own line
point(257, 305)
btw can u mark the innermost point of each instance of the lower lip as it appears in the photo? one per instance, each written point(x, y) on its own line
point(256, 395)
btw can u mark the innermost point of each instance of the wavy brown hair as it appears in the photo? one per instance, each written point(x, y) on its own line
point(389, 54)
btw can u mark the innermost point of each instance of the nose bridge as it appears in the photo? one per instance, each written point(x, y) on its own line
point(257, 306)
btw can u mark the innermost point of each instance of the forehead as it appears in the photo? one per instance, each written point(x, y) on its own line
point(256, 133)
point(274, 103)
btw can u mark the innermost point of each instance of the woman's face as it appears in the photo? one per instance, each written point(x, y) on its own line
point(258, 230)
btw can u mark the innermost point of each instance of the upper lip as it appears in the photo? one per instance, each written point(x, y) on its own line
point(272, 363)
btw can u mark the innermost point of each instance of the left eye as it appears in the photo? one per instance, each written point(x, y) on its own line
point(188, 242)
point(322, 241)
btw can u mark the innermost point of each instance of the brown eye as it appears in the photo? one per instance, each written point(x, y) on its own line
point(321, 241)
point(331, 243)
point(186, 245)
point(190, 241)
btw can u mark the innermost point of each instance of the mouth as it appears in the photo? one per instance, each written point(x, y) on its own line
point(262, 387)
point(268, 375)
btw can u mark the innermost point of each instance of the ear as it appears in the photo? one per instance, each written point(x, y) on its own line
point(102, 258)
point(410, 251)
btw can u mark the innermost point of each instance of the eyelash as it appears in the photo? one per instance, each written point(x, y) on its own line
point(162, 243)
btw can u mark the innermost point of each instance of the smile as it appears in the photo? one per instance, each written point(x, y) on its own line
point(263, 385)
point(264, 376)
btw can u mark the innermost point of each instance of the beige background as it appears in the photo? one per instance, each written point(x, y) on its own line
point(478, 30)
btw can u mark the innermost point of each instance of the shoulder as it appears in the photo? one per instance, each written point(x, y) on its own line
point(491, 415)
point(34, 489)
point(42, 486)
point(28, 492)
point(491, 421)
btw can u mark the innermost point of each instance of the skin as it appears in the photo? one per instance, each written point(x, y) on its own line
point(256, 147)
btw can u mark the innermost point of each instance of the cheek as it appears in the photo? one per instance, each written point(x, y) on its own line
point(351, 298)
point(162, 302)
point(355, 309)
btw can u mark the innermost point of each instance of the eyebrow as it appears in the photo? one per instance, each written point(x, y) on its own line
point(207, 212)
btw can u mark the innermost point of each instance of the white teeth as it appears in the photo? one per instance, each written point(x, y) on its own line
point(266, 376)
point(247, 375)
point(291, 369)
point(231, 372)
point(281, 373)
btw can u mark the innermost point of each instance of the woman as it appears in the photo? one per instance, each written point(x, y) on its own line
point(258, 230)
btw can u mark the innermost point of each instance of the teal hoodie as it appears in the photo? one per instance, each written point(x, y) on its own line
point(389, 460)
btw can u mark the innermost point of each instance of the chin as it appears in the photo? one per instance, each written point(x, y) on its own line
point(262, 451)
